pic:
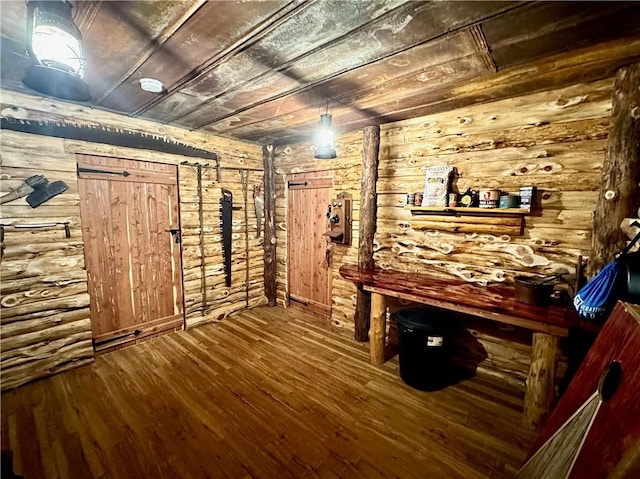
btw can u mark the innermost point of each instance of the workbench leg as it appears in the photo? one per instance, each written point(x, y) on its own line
point(378, 328)
point(540, 386)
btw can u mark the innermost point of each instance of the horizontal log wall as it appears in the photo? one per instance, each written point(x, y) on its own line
point(553, 140)
point(45, 326)
point(219, 300)
point(45, 305)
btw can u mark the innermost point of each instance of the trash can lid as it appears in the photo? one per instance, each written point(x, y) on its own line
point(423, 318)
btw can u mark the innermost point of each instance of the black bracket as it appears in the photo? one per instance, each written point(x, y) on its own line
point(175, 232)
point(82, 169)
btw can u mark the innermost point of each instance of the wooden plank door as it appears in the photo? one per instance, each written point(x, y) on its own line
point(308, 251)
point(133, 260)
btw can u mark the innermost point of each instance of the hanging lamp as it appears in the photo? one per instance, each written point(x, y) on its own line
point(324, 149)
point(55, 48)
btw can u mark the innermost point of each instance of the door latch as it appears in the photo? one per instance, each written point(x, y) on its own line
point(177, 236)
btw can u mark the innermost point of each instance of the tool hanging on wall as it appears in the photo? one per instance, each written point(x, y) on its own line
point(65, 224)
point(226, 209)
point(197, 167)
point(108, 136)
point(258, 204)
point(244, 180)
point(37, 189)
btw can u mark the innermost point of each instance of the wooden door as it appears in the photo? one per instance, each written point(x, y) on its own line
point(309, 252)
point(132, 258)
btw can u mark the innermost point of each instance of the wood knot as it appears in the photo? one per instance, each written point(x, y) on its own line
point(527, 260)
point(566, 103)
point(524, 169)
point(548, 168)
point(609, 195)
point(15, 112)
point(446, 248)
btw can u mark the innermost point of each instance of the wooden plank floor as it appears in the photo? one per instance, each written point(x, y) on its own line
point(268, 393)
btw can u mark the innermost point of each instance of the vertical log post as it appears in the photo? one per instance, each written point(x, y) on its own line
point(269, 245)
point(378, 329)
point(370, 149)
point(540, 388)
point(619, 197)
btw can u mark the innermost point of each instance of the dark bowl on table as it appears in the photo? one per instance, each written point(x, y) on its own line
point(530, 291)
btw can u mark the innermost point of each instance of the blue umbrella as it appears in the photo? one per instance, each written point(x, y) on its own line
point(596, 298)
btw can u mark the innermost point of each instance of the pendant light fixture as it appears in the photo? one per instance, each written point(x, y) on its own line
point(324, 149)
point(54, 45)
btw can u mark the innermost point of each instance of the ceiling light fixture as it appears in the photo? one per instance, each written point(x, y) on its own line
point(324, 136)
point(151, 85)
point(54, 45)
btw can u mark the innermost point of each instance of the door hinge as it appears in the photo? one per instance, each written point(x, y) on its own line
point(82, 169)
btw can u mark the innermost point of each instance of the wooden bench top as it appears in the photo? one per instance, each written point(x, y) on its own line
point(496, 303)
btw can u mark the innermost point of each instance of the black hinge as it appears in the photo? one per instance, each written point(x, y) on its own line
point(82, 169)
point(291, 183)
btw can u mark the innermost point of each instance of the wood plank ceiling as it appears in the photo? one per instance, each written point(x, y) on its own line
point(260, 70)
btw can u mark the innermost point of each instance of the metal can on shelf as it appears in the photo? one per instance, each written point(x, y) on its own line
point(489, 198)
point(509, 201)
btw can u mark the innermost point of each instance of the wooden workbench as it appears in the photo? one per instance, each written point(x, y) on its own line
point(496, 303)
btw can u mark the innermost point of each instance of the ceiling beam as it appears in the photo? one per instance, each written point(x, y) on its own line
point(297, 76)
point(578, 66)
point(241, 44)
point(152, 46)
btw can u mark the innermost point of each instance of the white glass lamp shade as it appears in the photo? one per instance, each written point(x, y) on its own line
point(55, 48)
point(324, 139)
point(53, 39)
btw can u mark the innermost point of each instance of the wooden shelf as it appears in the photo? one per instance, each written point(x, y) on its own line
point(462, 210)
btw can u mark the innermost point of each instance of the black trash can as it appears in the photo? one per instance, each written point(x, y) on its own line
point(425, 354)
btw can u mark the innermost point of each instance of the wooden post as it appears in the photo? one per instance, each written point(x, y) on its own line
point(370, 148)
point(540, 388)
point(618, 198)
point(268, 154)
point(378, 328)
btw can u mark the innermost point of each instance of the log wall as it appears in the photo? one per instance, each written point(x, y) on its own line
point(247, 253)
point(554, 140)
point(45, 325)
point(345, 171)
